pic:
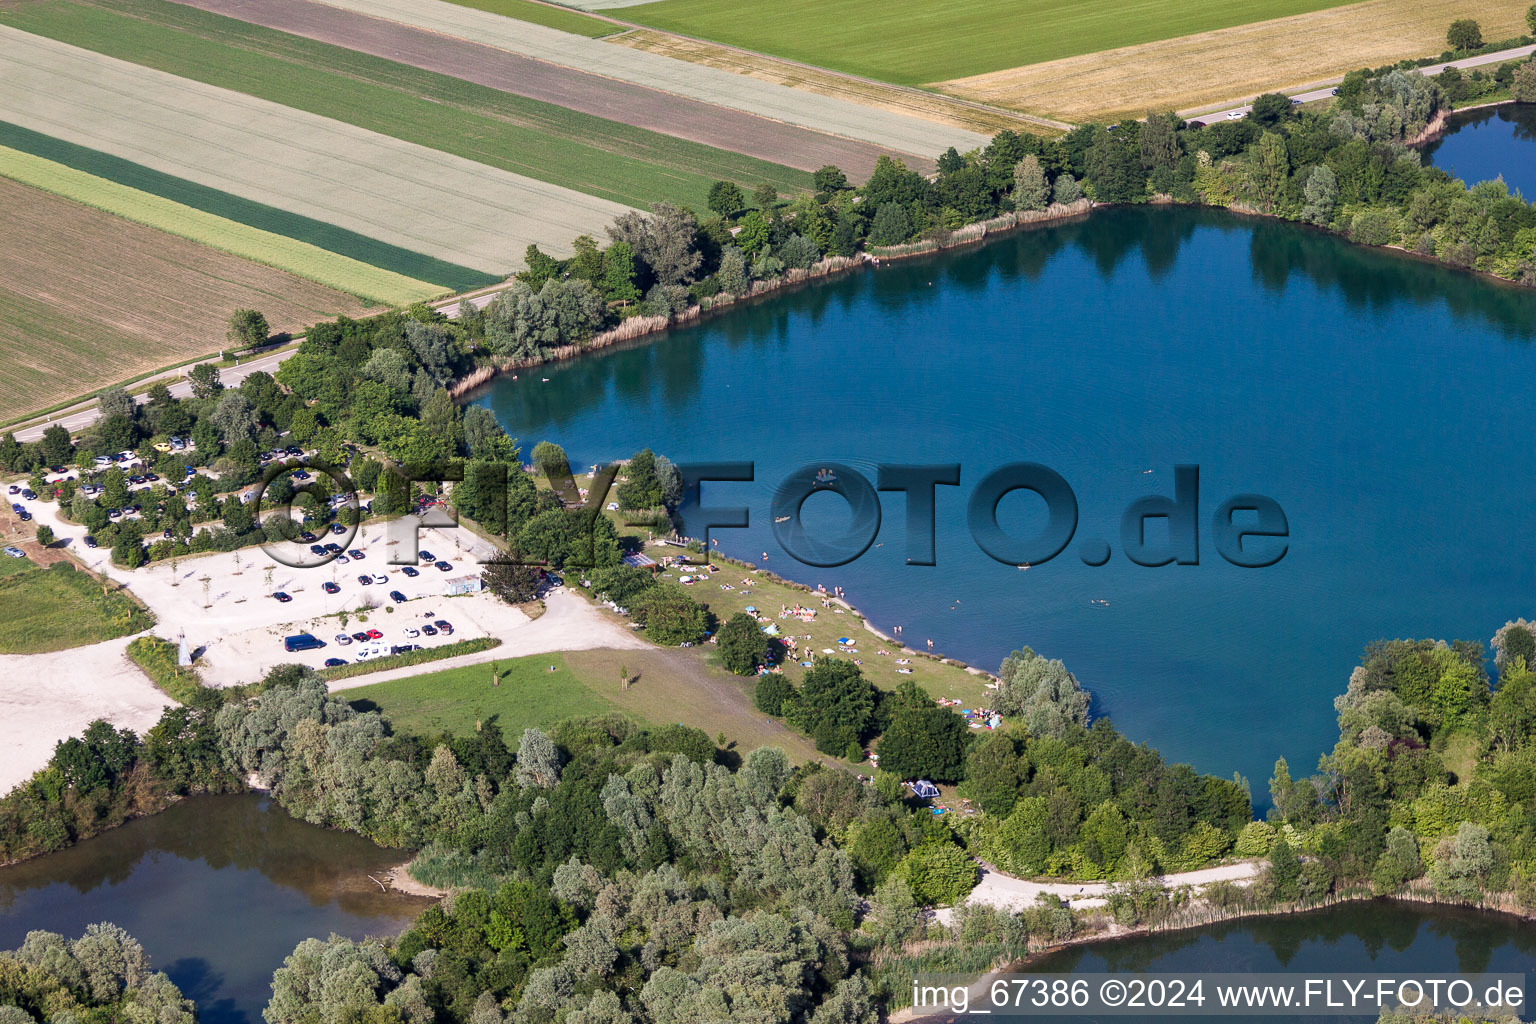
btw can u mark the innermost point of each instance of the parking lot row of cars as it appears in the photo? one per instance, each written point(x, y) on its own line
point(369, 641)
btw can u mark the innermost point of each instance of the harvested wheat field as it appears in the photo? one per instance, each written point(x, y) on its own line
point(87, 298)
point(1210, 68)
point(912, 102)
point(406, 195)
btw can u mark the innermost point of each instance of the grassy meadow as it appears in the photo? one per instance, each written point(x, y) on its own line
point(912, 42)
point(60, 607)
point(552, 144)
point(560, 18)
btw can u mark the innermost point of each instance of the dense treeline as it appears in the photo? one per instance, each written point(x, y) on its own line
point(102, 976)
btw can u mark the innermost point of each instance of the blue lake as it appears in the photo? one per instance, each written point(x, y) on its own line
point(1483, 144)
point(1384, 403)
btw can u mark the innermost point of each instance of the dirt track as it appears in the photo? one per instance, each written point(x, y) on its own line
point(652, 109)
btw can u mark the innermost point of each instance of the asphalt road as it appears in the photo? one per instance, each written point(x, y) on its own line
point(78, 417)
point(1328, 87)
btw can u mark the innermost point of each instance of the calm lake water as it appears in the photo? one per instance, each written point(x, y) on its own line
point(218, 889)
point(1483, 144)
point(1383, 402)
point(1380, 937)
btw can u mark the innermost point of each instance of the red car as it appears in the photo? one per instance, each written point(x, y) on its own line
point(374, 634)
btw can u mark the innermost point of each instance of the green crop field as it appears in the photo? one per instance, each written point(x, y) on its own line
point(913, 42)
point(530, 695)
point(539, 140)
point(564, 19)
point(57, 608)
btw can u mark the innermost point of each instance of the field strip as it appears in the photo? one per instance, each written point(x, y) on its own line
point(328, 268)
point(88, 298)
point(898, 132)
point(1214, 67)
point(734, 131)
point(404, 194)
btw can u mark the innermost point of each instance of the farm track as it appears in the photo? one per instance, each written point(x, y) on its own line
point(87, 298)
point(637, 105)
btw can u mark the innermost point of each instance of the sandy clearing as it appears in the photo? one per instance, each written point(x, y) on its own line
point(408, 195)
point(882, 128)
point(652, 109)
point(45, 698)
point(1014, 894)
point(1283, 54)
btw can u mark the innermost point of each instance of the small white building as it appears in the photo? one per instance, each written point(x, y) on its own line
point(464, 585)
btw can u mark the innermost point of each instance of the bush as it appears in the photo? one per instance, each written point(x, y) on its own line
point(1464, 34)
point(771, 692)
point(670, 616)
point(1374, 227)
point(743, 645)
point(939, 874)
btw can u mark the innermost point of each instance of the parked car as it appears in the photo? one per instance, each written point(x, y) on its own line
point(427, 556)
point(412, 633)
point(302, 642)
point(343, 639)
point(342, 559)
point(28, 493)
point(15, 552)
point(26, 517)
point(365, 580)
point(356, 554)
point(306, 537)
point(294, 449)
point(335, 662)
point(404, 648)
point(334, 549)
point(282, 598)
point(380, 578)
point(429, 630)
point(316, 549)
point(411, 570)
point(374, 634)
point(444, 626)
point(397, 597)
point(90, 541)
point(15, 489)
point(443, 567)
point(338, 529)
point(360, 636)
point(152, 477)
point(330, 588)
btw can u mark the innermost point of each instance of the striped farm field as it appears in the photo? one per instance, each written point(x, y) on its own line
point(368, 283)
point(912, 42)
point(405, 195)
point(553, 144)
point(87, 298)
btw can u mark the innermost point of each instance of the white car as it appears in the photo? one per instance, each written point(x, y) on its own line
point(343, 639)
point(1236, 115)
point(412, 632)
point(15, 552)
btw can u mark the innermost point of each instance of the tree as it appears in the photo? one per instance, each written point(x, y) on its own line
point(828, 180)
point(1321, 193)
point(743, 645)
point(1030, 189)
point(541, 267)
point(205, 380)
point(1042, 692)
point(664, 241)
point(726, 199)
point(1114, 171)
point(619, 274)
point(1530, 19)
point(1284, 870)
point(1271, 167)
point(938, 873)
point(640, 489)
point(732, 272)
point(45, 535)
point(1523, 86)
point(771, 692)
point(670, 616)
point(925, 742)
point(1158, 142)
point(891, 225)
point(235, 418)
point(1464, 34)
point(512, 582)
point(1270, 109)
point(56, 446)
point(538, 761)
point(994, 773)
point(835, 704)
point(1066, 190)
point(550, 459)
point(116, 402)
point(765, 196)
point(247, 329)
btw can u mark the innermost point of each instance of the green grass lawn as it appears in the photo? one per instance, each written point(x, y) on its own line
point(540, 140)
point(912, 42)
point(454, 699)
point(564, 19)
point(59, 607)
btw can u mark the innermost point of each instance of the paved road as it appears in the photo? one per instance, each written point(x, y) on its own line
point(78, 417)
point(1322, 90)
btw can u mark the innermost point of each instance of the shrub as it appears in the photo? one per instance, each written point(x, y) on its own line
point(772, 690)
point(939, 874)
point(743, 646)
point(1464, 34)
